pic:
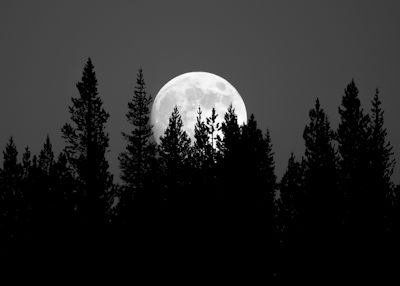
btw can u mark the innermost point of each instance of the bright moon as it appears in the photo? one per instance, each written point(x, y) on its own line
point(190, 91)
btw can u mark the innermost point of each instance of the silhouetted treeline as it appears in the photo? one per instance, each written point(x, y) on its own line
point(215, 196)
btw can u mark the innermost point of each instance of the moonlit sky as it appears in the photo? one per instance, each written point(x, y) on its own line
point(279, 55)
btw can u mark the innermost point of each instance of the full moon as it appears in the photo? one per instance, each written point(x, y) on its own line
point(190, 91)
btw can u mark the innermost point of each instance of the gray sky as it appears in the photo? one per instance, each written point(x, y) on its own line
point(279, 55)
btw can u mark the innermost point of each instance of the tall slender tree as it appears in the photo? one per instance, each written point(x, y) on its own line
point(174, 151)
point(87, 143)
point(229, 157)
point(10, 190)
point(229, 143)
point(353, 137)
point(324, 202)
point(213, 128)
point(26, 162)
point(292, 197)
point(382, 165)
point(136, 160)
point(202, 145)
point(258, 166)
point(46, 157)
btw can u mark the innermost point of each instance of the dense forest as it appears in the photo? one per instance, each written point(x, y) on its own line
point(215, 198)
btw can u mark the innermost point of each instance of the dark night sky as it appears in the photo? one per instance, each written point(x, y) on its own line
point(280, 56)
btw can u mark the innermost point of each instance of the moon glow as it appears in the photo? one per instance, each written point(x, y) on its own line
point(190, 91)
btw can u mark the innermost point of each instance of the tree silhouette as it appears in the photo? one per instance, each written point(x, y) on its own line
point(137, 160)
point(64, 185)
point(228, 161)
point(352, 139)
point(46, 157)
point(11, 195)
point(201, 146)
point(87, 143)
point(213, 127)
point(174, 152)
point(324, 202)
point(204, 188)
point(26, 162)
point(259, 167)
point(382, 165)
point(292, 198)
point(140, 150)
point(229, 144)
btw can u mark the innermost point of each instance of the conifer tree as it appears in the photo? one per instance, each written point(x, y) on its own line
point(352, 137)
point(382, 164)
point(228, 162)
point(256, 157)
point(203, 163)
point(10, 189)
point(87, 143)
point(202, 145)
point(45, 196)
point(174, 151)
point(64, 185)
point(26, 162)
point(324, 203)
point(229, 144)
point(213, 128)
point(136, 160)
point(292, 196)
point(46, 157)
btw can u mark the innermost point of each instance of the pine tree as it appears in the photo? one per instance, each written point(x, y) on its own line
point(46, 157)
point(324, 203)
point(26, 162)
point(292, 197)
point(174, 151)
point(229, 161)
point(87, 143)
point(257, 158)
point(231, 134)
point(136, 161)
point(202, 145)
point(10, 189)
point(28, 184)
point(213, 128)
point(64, 185)
point(203, 162)
point(352, 137)
point(382, 164)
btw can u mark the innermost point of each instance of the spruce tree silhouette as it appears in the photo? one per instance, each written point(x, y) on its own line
point(213, 127)
point(11, 196)
point(202, 163)
point(228, 166)
point(257, 188)
point(292, 200)
point(65, 189)
point(353, 137)
point(324, 207)
point(202, 145)
point(26, 162)
point(137, 161)
point(42, 193)
point(382, 165)
point(27, 185)
point(258, 168)
point(174, 151)
point(46, 157)
point(86, 146)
